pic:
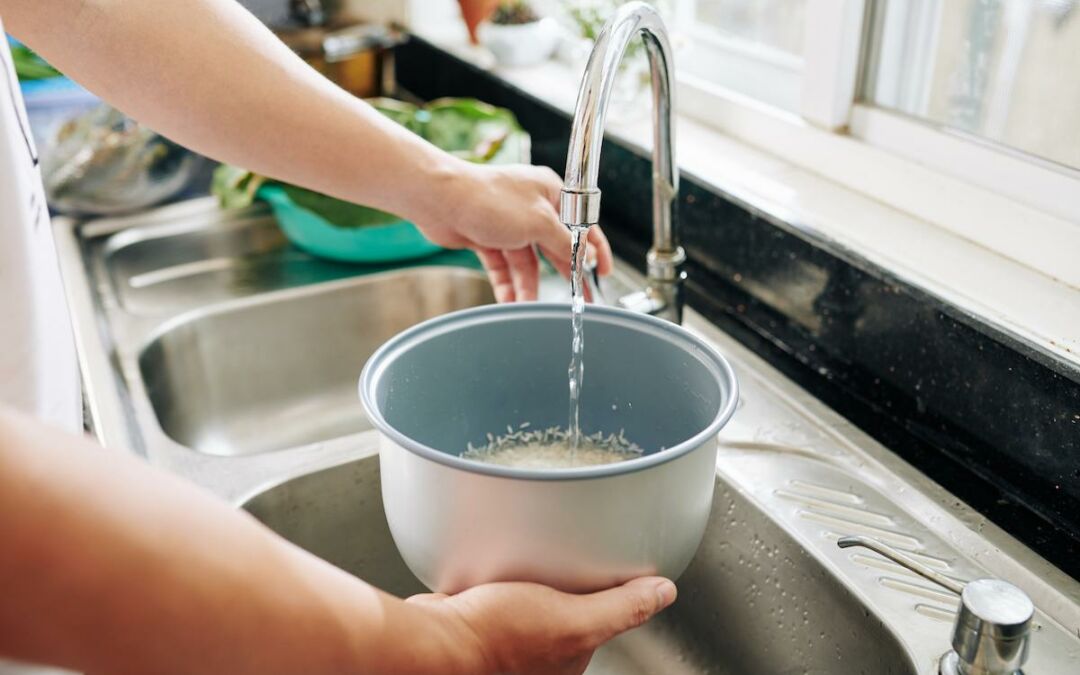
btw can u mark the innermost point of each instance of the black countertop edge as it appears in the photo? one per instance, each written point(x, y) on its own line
point(820, 240)
point(989, 416)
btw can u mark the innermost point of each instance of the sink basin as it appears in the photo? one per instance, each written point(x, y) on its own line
point(279, 370)
point(185, 263)
point(753, 600)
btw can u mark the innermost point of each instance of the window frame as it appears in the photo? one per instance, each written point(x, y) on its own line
point(907, 153)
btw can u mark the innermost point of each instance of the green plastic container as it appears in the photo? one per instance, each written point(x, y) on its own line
point(394, 241)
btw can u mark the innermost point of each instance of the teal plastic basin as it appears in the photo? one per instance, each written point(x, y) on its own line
point(394, 241)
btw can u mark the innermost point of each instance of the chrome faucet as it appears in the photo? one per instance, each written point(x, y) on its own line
point(580, 200)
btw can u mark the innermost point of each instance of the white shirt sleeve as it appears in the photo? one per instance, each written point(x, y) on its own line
point(38, 366)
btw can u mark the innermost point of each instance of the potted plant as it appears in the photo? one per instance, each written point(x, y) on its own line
point(584, 20)
point(518, 36)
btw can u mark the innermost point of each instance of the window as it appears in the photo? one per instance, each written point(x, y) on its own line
point(1002, 70)
point(983, 91)
point(753, 47)
point(772, 23)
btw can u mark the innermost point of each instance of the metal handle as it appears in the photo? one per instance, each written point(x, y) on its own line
point(901, 559)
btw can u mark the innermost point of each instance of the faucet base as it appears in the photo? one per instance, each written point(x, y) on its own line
point(666, 277)
point(663, 296)
point(950, 665)
point(665, 266)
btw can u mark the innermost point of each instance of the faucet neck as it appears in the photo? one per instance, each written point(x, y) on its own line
point(580, 202)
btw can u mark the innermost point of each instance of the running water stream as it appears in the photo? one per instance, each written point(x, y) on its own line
point(577, 339)
point(555, 448)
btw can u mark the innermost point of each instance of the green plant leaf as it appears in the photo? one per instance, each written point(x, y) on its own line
point(30, 66)
point(234, 187)
point(471, 129)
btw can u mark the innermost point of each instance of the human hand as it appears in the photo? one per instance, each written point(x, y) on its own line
point(502, 212)
point(529, 629)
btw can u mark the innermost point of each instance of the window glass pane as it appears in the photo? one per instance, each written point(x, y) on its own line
point(773, 23)
point(1005, 70)
point(753, 47)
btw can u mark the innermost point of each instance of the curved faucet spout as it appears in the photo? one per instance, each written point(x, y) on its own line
point(580, 200)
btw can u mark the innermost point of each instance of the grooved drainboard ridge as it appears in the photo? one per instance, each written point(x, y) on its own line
point(854, 514)
point(821, 491)
point(935, 612)
point(846, 512)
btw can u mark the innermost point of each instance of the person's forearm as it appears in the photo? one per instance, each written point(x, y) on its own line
point(109, 566)
point(208, 75)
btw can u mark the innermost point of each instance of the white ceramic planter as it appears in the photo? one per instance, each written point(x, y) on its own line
point(521, 44)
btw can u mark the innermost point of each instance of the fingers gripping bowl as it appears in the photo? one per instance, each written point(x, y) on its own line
point(449, 382)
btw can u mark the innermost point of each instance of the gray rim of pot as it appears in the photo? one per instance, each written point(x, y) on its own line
point(396, 345)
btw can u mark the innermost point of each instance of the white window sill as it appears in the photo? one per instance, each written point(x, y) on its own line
point(901, 232)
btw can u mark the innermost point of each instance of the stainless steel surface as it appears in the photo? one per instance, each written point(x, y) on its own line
point(901, 559)
point(191, 256)
point(993, 628)
point(453, 381)
point(791, 476)
point(216, 377)
point(579, 208)
point(579, 203)
point(204, 335)
point(646, 301)
point(993, 624)
point(752, 601)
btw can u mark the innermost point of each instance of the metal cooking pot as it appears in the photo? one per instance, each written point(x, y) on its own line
point(452, 380)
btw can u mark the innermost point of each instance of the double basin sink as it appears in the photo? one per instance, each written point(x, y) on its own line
point(216, 350)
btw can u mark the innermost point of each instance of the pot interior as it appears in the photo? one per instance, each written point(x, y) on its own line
point(459, 378)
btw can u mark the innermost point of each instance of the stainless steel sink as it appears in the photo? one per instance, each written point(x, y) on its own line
point(753, 601)
point(214, 350)
point(206, 337)
point(183, 260)
point(281, 371)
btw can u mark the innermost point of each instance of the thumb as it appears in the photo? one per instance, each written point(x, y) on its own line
point(616, 610)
